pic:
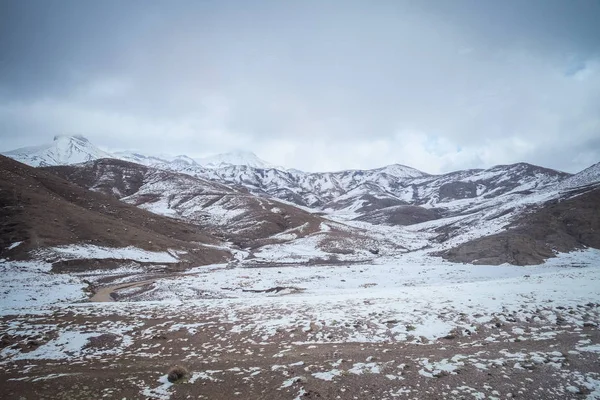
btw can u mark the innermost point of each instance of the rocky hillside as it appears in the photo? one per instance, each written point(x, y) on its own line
point(313, 190)
point(479, 215)
point(41, 210)
point(243, 219)
point(561, 225)
point(351, 194)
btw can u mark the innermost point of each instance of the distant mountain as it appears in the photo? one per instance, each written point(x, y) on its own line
point(359, 191)
point(67, 150)
point(149, 161)
point(64, 150)
point(252, 205)
point(138, 158)
point(238, 158)
point(246, 158)
point(243, 220)
point(457, 215)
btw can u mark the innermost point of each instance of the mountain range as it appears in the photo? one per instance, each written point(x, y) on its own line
point(257, 212)
point(66, 150)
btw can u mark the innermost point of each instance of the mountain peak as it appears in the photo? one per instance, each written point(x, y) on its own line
point(588, 176)
point(64, 150)
point(402, 171)
point(80, 138)
point(237, 157)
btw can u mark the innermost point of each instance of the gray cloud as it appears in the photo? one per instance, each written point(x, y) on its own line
point(436, 85)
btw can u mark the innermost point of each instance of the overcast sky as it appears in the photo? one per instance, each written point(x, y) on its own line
point(324, 85)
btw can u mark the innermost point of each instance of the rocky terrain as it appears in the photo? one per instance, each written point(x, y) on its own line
point(267, 283)
point(41, 211)
point(560, 226)
point(246, 221)
point(411, 328)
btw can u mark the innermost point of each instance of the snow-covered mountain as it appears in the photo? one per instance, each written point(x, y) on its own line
point(358, 191)
point(442, 212)
point(67, 150)
point(237, 158)
point(350, 194)
point(150, 161)
point(246, 158)
point(241, 218)
point(64, 150)
point(588, 176)
point(246, 201)
point(308, 189)
point(138, 158)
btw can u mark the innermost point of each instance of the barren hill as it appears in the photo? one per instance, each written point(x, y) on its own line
point(561, 225)
point(43, 210)
point(243, 219)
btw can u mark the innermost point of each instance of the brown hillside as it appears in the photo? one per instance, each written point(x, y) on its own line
point(42, 209)
point(194, 198)
point(560, 225)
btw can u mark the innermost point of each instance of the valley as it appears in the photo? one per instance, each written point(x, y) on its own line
point(269, 283)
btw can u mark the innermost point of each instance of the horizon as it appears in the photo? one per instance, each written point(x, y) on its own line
point(199, 159)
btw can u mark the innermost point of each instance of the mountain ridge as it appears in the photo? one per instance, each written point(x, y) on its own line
point(64, 149)
point(41, 210)
point(345, 215)
point(30, 155)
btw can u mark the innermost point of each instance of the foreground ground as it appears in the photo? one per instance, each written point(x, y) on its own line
point(413, 328)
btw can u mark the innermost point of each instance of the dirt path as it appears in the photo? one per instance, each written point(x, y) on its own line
point(104, 294)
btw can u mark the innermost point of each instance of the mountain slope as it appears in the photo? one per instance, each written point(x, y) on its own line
point(463, 215)
point(234, 213)
point(138, 158)
point(561, 225)
point(588, 176)
point(246, 220)
point(343, 194)
point(63, 150)
point(347, 195)
point(42, 210)
point(234, 158)
point(305, 189)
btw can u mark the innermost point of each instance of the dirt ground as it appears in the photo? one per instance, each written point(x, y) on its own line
point(127, 356)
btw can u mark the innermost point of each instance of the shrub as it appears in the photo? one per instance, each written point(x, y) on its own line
point(177, 373)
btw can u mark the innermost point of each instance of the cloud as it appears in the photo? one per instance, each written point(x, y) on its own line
point(316, 86)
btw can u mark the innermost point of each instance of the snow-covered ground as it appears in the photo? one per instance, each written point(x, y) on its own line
point(88, 251)
point(449, 314)
point(424, 295)
point(424, 299)
point(30, 287)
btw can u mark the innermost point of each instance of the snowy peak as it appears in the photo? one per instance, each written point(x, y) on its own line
point(63, 150)
point(246, 158)
point(184, 160)
point(588, 176)
point(402, 171)
point(79, 138)
point(225, 160)
point(139, 158)
point(155, 161)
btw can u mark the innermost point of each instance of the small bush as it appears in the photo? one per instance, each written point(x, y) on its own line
point(177, 373)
